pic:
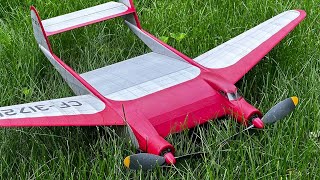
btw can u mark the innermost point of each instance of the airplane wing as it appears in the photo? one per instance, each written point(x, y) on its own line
point(234, 58)
point(84, 110)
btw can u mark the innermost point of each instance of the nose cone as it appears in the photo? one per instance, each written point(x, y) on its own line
point(170, 159)
point(258, 123)
point(127, 162)
point(295, 100)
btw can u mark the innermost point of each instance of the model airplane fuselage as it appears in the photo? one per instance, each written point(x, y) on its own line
point(155, 94)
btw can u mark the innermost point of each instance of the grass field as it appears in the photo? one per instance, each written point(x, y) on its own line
point(289, 149)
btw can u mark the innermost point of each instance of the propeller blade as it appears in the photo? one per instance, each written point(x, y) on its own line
point(280, 110)
point(144, 161)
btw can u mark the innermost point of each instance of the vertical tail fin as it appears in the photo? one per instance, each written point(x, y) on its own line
point(38, 30)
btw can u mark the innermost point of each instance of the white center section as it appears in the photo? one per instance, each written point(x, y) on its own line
point(83, 16)
point(233, 50)
point(86, 104)
point(140, 76)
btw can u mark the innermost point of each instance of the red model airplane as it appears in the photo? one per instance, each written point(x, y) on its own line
point(163, 91)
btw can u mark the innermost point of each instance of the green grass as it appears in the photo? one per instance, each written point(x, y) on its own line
point(284, 150)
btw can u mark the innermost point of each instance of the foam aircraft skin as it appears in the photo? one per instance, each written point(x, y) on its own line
point(162, 92)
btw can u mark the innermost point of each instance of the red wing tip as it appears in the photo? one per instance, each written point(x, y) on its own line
point(32, 8)
point(302, 12)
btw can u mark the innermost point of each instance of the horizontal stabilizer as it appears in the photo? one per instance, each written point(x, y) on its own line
point(85, 17)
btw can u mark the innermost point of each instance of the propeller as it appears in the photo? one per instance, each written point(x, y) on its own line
point(146, 161)
point(276, 113)
point(142, 161)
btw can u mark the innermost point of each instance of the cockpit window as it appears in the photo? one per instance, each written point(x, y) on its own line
point(223, 94)
point(233, 96)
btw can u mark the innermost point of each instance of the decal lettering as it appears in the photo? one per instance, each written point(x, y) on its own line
point(35, 22)
point(74, 103)
point(65, 105)
point(32, 109)
point(39, 108)
point(22, 110)
point(9, 112)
